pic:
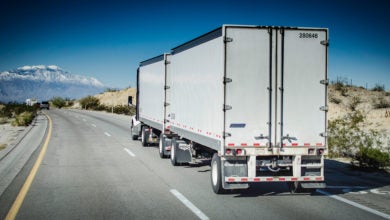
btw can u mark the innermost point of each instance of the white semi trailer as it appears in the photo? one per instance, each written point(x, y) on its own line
point(252, 98)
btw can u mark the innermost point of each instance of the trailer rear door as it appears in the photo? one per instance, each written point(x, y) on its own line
point(301, 97)
point(247, 86)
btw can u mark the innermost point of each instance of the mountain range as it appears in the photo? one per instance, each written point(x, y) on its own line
point(45, 82)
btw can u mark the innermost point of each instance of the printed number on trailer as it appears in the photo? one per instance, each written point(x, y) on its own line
point(308, 35)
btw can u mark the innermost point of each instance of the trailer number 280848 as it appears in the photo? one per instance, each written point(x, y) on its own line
point(308, 35)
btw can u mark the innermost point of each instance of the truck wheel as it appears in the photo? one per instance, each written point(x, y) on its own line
point(161, 146)
point(144, 136)
point(294, 187)
point(134, 137)
point(216, 175)
point(173, 153)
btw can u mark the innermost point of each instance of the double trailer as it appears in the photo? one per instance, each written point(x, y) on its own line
point(252, 98)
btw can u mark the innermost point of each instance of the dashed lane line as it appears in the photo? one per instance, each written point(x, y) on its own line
point(107, 134)
point(189, 204)
point(129, 152)
point(357, 205)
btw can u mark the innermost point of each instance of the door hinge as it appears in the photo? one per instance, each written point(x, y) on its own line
point(228, 40)
point(324, 134)
point(324, 108)
point(227, 80)
point(166, 104)
point(324, 82)
point(167, 87)
point(225, 135)
point(167, 62)
point(325, 42)
point(227, 107)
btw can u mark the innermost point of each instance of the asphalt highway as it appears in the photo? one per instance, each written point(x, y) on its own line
point(92, 169)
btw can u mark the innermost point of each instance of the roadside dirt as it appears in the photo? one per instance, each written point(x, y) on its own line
point(8, 135)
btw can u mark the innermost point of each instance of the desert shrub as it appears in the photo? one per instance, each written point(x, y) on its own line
point(346, 137)
point(335, 100)
point(354, 103)
point(89, 102)
point(69, 102)
point(341, 85)
point(3, 120)
point(11, 110)
point(23, 119)
point(102, 108)
point(119, 109)
point(58, 102)
point(124, 109)
point(112, 90)
point(382, 103)
point(372, 158)
point(378, 88)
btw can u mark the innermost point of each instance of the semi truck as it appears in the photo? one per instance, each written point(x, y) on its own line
point(253, 99)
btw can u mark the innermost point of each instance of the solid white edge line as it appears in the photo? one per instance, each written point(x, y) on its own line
point(189, 204)
point(129, 152)
point(107, 134)
point(347, 187)
point(357, 205)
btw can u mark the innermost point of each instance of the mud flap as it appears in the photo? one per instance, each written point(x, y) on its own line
point(234, 168)
point(183, 152)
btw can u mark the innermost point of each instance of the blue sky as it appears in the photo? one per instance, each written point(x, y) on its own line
point(107, 39)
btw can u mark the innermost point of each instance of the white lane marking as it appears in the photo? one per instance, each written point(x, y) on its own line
point(84, 119)
point(107, 134)
point(347, 187)
point(93, 125)
point(129, 152)
point(189, 204)
point(376, 191)
point(357, 205)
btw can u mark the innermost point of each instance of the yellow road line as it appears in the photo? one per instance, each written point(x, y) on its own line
point(26, 186)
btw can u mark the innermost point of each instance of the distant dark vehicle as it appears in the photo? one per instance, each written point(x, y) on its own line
point(45, 104)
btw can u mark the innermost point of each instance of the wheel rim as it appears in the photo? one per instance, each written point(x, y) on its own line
point(214, 173)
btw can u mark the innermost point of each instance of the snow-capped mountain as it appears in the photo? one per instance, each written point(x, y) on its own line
point(44, 83)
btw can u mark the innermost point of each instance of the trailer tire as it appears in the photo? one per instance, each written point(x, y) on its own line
point(173, 153)
point(161, 147)
point(294, 187)
point(134, 137)
point(144, 136)
point(216, 175)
